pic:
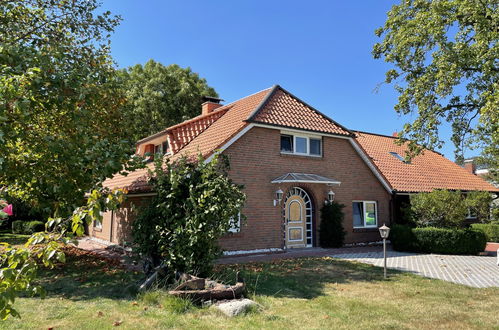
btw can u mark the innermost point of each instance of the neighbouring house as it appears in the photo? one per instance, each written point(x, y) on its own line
point(291, 159)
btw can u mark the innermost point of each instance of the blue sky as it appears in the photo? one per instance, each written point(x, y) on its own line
point(318, 50)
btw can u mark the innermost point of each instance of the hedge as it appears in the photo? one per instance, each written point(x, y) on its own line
point(491, 230)
point(27, 227)
point(437, 240)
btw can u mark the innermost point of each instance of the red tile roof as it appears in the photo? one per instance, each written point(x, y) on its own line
point(206, 141)
point(286, 110)
point(425, 172)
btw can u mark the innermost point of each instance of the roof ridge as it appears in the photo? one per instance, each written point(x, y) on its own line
point(278, 87)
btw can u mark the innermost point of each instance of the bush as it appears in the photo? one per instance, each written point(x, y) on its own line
point(18, 227)
point(491, 230)
point(196, 204)
point(27, 227)
point(437, 240)
point(439, 208)
point(331, 232)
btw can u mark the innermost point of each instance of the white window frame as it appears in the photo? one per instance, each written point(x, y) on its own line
point(363, 210)
point(237, 229)
point(308, 137)
point(98, 224)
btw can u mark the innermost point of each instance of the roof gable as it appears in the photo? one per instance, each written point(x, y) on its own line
point(284, 109)
point(424, 173)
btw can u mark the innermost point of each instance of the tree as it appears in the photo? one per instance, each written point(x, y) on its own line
point(196, 203)
point(161, 96)
point(444, 208)
point(445, 54)
point(332, 233)
point(61, 123)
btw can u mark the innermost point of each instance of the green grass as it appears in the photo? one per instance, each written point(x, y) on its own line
point(13, 239)
point(91, 293)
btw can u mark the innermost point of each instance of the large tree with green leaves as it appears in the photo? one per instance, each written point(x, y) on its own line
point(160, 96)
point(61, 123)
point(444, 54)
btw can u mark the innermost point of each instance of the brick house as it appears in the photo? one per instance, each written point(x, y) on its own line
point(291, 159)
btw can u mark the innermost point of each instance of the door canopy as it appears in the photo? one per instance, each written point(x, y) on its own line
point(305, 178)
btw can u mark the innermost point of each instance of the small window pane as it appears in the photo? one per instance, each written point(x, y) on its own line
point(315, 147)
point(235, 224)
point(157, 149)
point(165, 147)
point(370, 214)
point(301, 145)
point(358, 221)
point(286, 143)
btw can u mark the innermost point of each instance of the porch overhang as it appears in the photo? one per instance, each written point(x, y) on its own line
point(305, 178)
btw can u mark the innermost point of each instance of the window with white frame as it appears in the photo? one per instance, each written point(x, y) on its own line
point(98, 224)
point(365, 214)
point(301, 145)
point(162, 148)
point(235, 224)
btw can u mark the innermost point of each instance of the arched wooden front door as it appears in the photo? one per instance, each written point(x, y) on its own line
point(298, 218)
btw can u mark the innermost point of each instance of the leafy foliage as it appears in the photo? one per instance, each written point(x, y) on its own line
point(61, 123)
point(19, 265)
point(491, 230)
point(445, 68)
point(439, 208)
point(27, 227)
point(160, 96)
point(437, 240)
point(196, 203)
point(444, 208)
point(331, 232)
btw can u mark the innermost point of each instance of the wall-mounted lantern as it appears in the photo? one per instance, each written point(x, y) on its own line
point(330, 196)
point(278, 195)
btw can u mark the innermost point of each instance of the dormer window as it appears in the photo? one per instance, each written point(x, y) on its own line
point(162, 148)
point(301, 145)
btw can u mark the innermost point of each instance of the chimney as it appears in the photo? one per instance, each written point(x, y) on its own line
point(210, 104)
point(469, 165)
point(395, 134)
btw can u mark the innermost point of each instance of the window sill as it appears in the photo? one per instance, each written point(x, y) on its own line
point(364, 229)
point(289, 154)
point(99, 230)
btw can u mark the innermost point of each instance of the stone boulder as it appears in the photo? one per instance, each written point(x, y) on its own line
point(233, 308)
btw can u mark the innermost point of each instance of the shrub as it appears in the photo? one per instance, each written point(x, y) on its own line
point(27, 227)
point(32, 227)
point(196, 204)
point(331, 232)
point(439, 208)
point(437, 240)
point(18, 227)
point(491, 230)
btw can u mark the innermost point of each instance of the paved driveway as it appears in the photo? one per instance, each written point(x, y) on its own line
point(479, 272)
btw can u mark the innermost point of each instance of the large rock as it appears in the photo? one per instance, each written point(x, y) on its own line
point(236, 307)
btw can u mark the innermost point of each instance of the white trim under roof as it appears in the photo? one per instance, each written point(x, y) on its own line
point(305, 178)
point(359, 151)
point(230, 142)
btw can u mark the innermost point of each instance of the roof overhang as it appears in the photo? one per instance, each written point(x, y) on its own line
point(305, 178)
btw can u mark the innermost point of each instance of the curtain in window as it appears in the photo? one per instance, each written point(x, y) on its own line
point(358, 214)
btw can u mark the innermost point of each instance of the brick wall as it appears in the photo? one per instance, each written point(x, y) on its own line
point(256, 160)
point(117, 225)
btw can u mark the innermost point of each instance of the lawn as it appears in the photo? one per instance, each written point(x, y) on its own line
point(89, 292)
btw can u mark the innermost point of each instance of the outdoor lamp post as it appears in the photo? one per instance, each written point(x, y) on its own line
point(384, 231)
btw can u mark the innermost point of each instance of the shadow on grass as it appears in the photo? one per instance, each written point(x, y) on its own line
point(304, 278)
point(13, 239)
point(87, 276)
